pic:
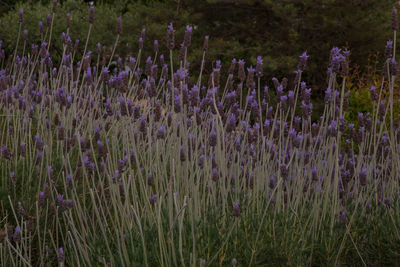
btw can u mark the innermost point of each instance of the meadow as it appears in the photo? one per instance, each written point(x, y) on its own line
point(138, 161)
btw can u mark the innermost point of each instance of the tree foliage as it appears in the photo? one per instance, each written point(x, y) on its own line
point(279, 31)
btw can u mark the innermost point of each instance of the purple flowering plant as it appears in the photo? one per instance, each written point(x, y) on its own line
point(183, 165)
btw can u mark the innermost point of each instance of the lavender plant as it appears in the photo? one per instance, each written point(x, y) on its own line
point(139, 166)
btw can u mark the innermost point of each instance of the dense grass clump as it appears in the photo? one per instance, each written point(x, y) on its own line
point(145, 163)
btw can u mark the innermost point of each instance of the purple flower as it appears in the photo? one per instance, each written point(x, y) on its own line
point(143, 33)
point(6, 154)
point(343, 217)
point(241, 73)
point(161, 132)
point(363, 176)
point(233, 65)
point(68, 20)
point(250, 78)
point(215, 175)
point(91, 15)
point(119, 25)
point(205, 44)
point(21, 210)
point(231, 124)
point(140, 43)
point(394, 67)
point(43, 50)
point(13, 178)
point(155, 46)
point(69, 180)
point(381, 109)
point(170, 37)
point(50, 172)
point(153, 199)
point(306, 109)
point(328, 95)
point(259, 71)
point(395, 22)
point(38, 157)
point(17, 234)
point(388, 49)
point(48, 20)
point(177, 104)
point(303, 61)
point(283, 102)
point(122, 164)
point(374, 95)
point(332, 129)
point(234, 262)
point(336, 60)
point(213, 138)
point(21, 15)
point(314, 174)
point(291, 98)
point(142, 125)
point(54, 9)
point(188, 36)
point(61, 256)
point(236, 210)
point(60, 200)
point(41, 198)
point(150, 179)
point(201, 161)
point(88, 164)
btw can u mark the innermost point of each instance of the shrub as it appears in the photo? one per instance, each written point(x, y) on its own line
point(140, 164)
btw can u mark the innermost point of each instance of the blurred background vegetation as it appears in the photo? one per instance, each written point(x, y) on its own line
point(278, 31)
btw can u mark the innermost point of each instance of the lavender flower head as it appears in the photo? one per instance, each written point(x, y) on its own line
point(68, 20)
point(388, 49)
point(143, 33)
point(61, 256)
point(205, 44)
point(54, 9)
point(303, 61)
point(119, 25)
point(91, 15)
point(259, 71)
point(17, 234)
point(395, 22)
point(241, 73)
point(21, 15)
point(188, 36)
point(236, 210)
point(48, 20)
point(161, 132)
point(153, 199)
point(170, 37)
point(250, 78)
point(328, 95)
point(155, 46)
point(234, 262)
point(6, 154)
point(213, 138)
point(363, 176)
point(140, 43)
point(394, 67)
point(374, 95)
point(41, 198)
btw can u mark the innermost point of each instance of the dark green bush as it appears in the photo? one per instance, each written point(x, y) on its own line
point(279, 31)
